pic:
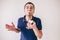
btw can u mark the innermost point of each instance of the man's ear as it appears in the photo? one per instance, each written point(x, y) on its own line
point(24, 9)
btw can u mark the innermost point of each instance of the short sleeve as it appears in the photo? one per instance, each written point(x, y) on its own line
point(19, 24)
point(39, 25)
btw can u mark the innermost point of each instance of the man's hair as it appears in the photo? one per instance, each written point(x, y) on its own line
point(29, 3)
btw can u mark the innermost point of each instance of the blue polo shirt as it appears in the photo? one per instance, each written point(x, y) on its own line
point(28, 34)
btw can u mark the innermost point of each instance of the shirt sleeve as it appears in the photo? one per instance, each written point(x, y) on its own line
point(39, 25)
point(19, 24)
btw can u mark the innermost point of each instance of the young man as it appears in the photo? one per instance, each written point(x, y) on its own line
point(29, 26)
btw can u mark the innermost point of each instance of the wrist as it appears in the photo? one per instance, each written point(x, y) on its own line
point(14, 29)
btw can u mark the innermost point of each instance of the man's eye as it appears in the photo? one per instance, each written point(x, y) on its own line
point(31, 8)
point(27, 7)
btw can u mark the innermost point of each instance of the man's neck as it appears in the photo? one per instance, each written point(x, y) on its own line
point(28, 18)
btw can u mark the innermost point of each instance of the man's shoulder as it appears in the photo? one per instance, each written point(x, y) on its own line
point(36, 18)
point(21, 18)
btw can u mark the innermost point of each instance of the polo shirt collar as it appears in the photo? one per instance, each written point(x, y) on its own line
point(25, 19)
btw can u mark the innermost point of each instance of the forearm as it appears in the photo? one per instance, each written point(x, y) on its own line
point(37, 32)
point(16, 30)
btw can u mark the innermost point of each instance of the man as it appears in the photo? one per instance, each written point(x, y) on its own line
point(29, 26)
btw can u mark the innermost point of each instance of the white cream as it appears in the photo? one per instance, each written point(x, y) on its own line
point(30, 21)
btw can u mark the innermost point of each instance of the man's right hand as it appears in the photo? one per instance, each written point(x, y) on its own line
point(10, 27)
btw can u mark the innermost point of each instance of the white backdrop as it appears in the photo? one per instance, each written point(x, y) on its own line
point(47, 10)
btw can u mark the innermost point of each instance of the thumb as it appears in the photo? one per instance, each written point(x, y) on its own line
point(13, 24)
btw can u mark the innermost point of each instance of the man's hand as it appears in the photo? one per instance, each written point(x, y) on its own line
point(10, 27)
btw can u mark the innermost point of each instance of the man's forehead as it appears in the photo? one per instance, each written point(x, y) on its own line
point(29, 5)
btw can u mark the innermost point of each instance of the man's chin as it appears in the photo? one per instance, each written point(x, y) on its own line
point(29, 15)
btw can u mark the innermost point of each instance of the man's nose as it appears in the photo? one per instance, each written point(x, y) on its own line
point(29, 9)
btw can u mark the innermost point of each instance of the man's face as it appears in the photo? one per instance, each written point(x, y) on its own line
point(29, 9)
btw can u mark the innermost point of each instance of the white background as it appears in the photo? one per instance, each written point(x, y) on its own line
point(47, 10)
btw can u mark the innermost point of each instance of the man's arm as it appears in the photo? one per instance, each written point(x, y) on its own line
point(12, 28)
point(37, 32)
point(33, 26)
point(16, 30)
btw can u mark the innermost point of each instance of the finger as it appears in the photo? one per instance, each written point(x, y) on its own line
point(9, 30)
point(13, 24)
point(7, 25)
point(28, 27)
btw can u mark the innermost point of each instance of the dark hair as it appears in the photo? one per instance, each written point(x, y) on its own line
point(29, 3)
